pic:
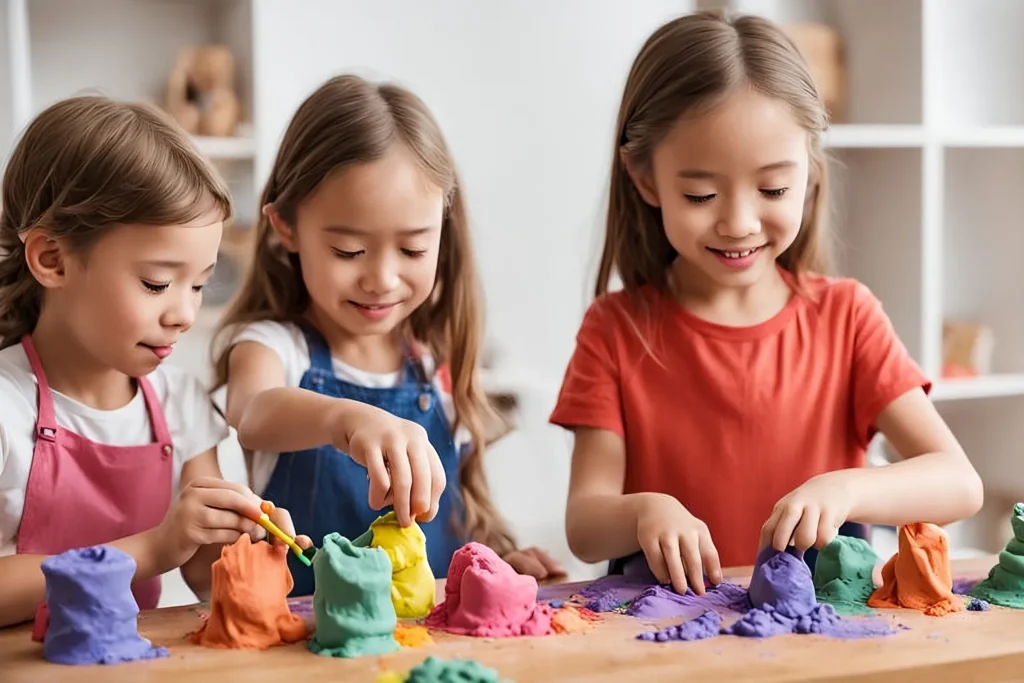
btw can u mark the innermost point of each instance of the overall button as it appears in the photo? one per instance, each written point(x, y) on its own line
point(168, 450)
point(424, 402)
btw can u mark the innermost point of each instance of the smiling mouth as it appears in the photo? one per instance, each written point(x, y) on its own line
point(373, 307)
point(737, 254)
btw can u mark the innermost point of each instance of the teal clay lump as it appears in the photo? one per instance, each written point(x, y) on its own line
point(352, 600)
point(434, 670)
point(1005, 583)
point(843, 575)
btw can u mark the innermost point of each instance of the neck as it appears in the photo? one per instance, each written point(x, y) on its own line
point(72, 371)
point(372, 353)
point(729, 305)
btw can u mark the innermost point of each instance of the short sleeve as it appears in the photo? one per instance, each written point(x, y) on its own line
point(281, 338)
point(204, 427)
point(591, 395)
point(883, 369)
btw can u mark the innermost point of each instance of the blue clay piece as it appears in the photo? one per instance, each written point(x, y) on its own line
point(93, 614)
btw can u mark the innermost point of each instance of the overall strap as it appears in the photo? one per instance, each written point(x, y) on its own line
point(414, 368)
point(319, 351)
point(46, 420)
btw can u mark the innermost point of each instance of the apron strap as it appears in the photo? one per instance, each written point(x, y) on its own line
point(157, 419)
point(46, 419)
point(413, 352)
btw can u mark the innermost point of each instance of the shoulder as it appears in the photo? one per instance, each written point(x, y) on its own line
point(274, 334)
point(17, 381)
point(618, 311)
point(838, 297)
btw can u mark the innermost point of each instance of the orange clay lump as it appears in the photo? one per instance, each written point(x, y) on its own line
point(249, 602)
point(918, 576)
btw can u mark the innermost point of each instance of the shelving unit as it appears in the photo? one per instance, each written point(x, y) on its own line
point(927, 168)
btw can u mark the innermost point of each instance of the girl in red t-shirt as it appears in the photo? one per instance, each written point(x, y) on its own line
point(723, 400)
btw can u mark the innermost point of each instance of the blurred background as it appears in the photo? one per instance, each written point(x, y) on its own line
point(927, 142)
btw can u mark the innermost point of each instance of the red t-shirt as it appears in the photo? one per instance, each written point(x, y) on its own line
point(731, 419)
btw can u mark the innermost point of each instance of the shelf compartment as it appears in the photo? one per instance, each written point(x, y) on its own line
point(877, 228)
point(982, 244)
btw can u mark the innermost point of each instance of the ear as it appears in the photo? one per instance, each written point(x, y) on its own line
point(283, 231)
point(642, 179)
point(45, 258)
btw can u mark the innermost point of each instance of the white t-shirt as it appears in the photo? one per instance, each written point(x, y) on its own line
point(288, 342)
point(192, 420)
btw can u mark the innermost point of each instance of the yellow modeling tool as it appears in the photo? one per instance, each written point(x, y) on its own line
point(266, 507)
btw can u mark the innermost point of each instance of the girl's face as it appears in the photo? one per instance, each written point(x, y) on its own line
point(368, 239)
point(129, 297)
point(731, 184)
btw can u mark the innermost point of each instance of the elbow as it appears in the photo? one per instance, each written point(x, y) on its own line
point(973, 493)
point(576, 538)
point(247, 425)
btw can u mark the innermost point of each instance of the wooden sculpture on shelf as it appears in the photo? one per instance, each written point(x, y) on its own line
point(966, 349)
point(201, 94)
point(822, 48)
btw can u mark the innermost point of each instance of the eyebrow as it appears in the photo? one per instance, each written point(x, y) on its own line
point(176, 265)
point(348, 230)
point(699, 173)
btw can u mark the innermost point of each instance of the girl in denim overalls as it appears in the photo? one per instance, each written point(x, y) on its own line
point(351, 350)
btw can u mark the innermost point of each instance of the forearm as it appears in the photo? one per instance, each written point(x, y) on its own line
point(23, 587)
point(197, 571)
point(940, 488)
point(603, 526)
point(288, 419)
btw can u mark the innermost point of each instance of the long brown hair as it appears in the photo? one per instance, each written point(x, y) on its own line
point(349, 120)
point(85, 164)
point(685, 67)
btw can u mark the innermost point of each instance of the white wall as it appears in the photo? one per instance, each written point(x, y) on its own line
point(527, 93)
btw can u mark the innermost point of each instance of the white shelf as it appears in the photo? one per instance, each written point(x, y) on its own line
point(990, 386)
point(874, 135)
point(226, 148)
point(984, 136)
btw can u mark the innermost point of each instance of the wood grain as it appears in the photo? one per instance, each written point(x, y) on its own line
point(960, 647)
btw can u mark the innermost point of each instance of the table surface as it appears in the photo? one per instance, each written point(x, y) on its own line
point(960, 647)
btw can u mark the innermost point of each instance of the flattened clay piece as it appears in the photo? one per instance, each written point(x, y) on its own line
point(485, 596)
point(412, 582)
point(352, 600)
point(249, 599)
point(93, 616)
point(434, 670)
point(918, 576)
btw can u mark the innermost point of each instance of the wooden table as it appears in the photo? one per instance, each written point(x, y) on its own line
point(967, 646)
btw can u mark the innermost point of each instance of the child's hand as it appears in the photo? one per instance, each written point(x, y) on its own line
point(283, 520)
point(677, 545)
point(811, 514)
point(534, 562)
point(402, 466)
point(208, 511)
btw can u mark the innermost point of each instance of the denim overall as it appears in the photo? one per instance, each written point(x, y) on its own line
point(326, 491)
point(855, 529)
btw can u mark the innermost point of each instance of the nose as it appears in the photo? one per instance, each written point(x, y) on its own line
point(181, 313)
point(380, 275)
point(739, 219)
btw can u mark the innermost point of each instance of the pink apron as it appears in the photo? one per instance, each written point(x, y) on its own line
point(82, 493)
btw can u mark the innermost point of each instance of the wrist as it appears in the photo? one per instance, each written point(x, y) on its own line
point(341, 419)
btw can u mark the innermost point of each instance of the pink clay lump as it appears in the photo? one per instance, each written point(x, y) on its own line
point(485, 597)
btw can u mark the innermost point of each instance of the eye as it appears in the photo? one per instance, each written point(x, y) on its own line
point(699, 198)
point(414, 253)
point(197, 288)
point(775, 192)
point(155, 287)
point(346, 254)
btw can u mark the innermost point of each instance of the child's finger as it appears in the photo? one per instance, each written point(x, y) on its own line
point(656, 560)
point(674, 563)
point(712, 563)
point(690, 553)
point(438, 481)
point(401, 485)
point(806, 532)
point(786, 526)
point(283, 520)
point(527, 564)
point(380, 478)
point(550, 564)
point(304, 542)
point(419, 490)
point(828, 528)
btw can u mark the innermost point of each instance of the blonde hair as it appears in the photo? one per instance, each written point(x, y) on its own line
point(349, 120)
point(687, 66)
point(83, 165)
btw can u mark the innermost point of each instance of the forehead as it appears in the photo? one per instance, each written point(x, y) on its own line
point(194, 242)
point(746, 130)
point(389, 193)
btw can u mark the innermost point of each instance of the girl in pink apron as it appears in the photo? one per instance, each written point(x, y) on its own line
point(110, 227)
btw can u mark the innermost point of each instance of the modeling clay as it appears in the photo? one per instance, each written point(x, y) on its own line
point(1005, 583)
point(412, 582)
point(843, 575)
point(918, 576)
